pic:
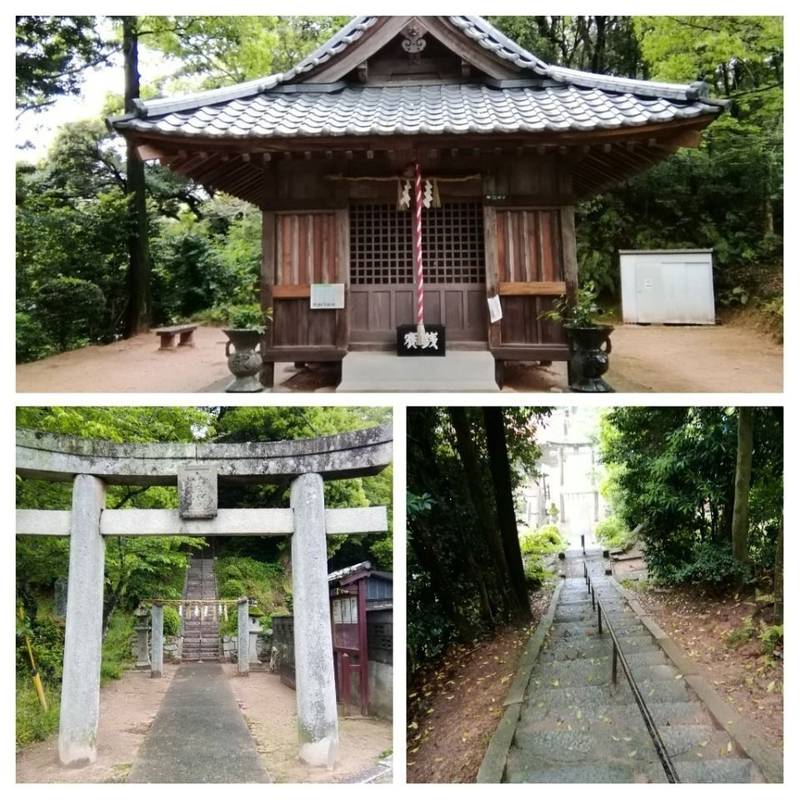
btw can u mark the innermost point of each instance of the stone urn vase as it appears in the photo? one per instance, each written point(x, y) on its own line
point(589, 348)
point(243, 350)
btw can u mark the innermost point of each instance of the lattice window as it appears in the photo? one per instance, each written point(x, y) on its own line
point(381, 249)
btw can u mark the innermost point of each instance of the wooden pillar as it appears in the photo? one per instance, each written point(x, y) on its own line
point(363, 647)
point(268, 221)
point(343, 275)
point(569, 249)
point(83, 638)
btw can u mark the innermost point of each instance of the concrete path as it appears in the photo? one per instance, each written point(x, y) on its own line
point(199, 734)
point(576, 726)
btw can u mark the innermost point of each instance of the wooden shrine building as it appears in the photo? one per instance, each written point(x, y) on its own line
point(505, 143)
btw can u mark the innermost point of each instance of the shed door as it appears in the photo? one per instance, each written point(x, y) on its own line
point(382, 272)
point(674, 288)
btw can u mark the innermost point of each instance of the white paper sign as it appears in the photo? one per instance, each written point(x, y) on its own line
point(327, 295)
point(495, 309)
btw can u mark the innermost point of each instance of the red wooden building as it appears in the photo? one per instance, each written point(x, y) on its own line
point(508, 144)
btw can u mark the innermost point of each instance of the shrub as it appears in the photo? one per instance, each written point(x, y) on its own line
point(536, 573)
point(172, 621)
point(34, 724)
point(247, 317)
point(771, 638)
point(543, 541)
point(742, 634)
point(47, 640)
point(232, 588)
point(613, 533)
point(70, 309)
point(117, 654)
point(712, 565)
point(32, 341)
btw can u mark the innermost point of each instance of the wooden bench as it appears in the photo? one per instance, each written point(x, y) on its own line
point(168, 334)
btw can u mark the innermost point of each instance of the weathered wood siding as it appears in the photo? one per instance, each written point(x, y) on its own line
point(528, 235)
point(528, 273)
point(310, 247)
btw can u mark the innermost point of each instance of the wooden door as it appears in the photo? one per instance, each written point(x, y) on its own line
point(309, 247)
point(527, 259)
point(382, 272)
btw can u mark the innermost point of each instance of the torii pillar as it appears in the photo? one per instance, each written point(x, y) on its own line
point(317, 723)
point(83, 639)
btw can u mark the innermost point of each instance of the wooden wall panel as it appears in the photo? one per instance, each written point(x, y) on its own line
point(528, 247)
point(309, 247)
point(528, 254)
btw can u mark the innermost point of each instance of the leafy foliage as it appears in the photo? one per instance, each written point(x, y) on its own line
point(613, 532)
point(544, 541)
point(672, 471)
point(52, 54)
point(582, 312)
point(172, 621)
point(72, 215)
point(455, 592)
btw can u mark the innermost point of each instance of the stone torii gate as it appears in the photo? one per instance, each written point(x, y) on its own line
point(197, 469)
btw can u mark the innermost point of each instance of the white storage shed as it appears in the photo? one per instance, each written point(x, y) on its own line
point(667, 286)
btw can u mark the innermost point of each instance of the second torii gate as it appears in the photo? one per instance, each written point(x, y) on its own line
point(197, 469)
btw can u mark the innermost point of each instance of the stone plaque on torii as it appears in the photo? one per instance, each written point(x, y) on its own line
point(197, 469)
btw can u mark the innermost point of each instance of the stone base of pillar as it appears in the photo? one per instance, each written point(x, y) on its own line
point(320, 754)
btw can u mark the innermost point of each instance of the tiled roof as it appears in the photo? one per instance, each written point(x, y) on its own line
point(545, 98)
point(426, 109)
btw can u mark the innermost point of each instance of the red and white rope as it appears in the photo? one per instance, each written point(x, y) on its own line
point(418, 252)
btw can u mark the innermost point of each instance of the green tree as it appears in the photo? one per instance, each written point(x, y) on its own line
point(744, 467)
point(52, 55)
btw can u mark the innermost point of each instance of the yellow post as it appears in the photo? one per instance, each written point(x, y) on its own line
point(37, 681)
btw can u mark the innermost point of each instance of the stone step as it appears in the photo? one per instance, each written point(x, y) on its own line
point(607, 719)
point(697, 742)
point(597, 647)
point(458, 371)
point(566, 654)
point(719, 770)
point(564, 698)
point(519, 772)
point(594, 672)
point(664, 691)
point(583, 611)
point(632, 746)
point(588, 627)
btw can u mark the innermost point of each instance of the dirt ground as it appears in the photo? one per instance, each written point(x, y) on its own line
point(127, 709)
point(723, 358)
point(270, 710)
point(455, 704)
point(742, 674)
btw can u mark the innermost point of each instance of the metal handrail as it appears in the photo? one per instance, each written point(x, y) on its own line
point(652, 729)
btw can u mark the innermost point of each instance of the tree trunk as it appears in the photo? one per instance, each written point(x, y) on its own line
point(778, 590)
point(477, 489)
point(504, 502)
point(599, 55)
point(138, 315)
point(741, 504)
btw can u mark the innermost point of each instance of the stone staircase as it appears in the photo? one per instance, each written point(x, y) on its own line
point(575, 726)
point(200, 619)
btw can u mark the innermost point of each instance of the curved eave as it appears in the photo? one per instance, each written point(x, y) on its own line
point(241, 167)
